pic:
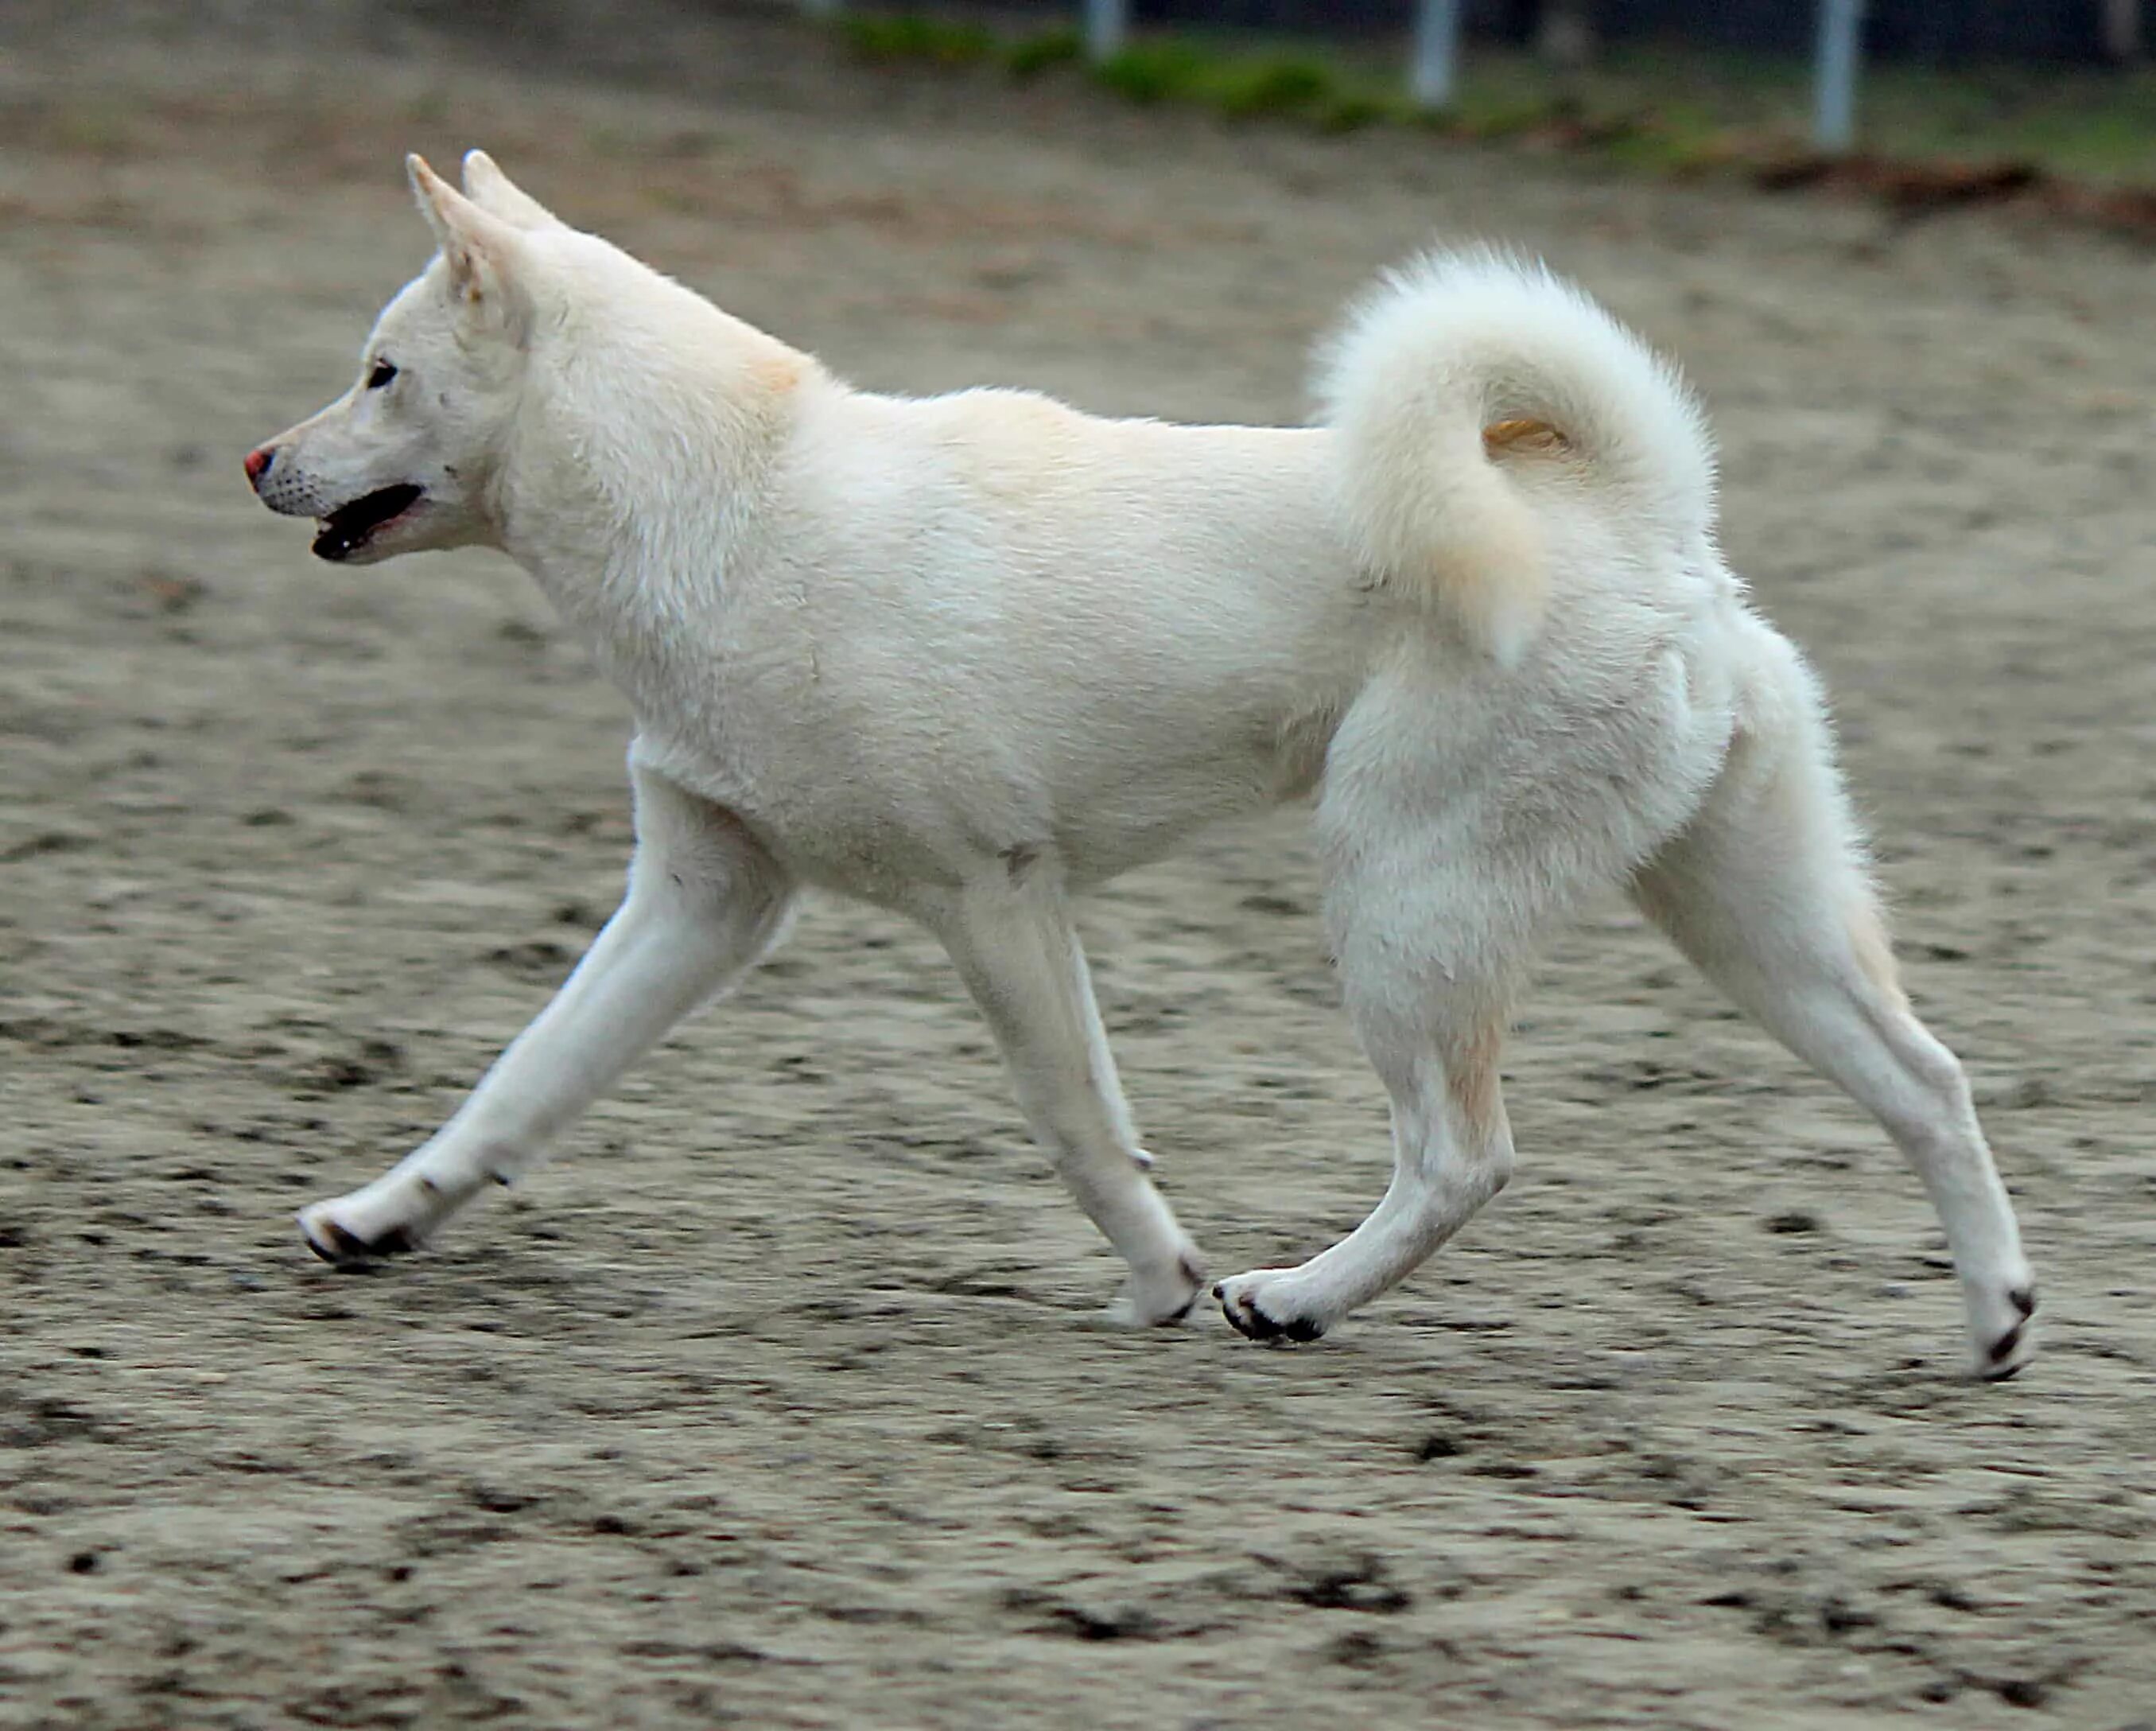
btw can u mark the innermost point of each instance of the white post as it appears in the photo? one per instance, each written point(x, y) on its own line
point(1833, 114)
point(1437, 52)
point(1107, 25)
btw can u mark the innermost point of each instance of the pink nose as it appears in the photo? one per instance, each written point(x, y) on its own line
point(257, 462)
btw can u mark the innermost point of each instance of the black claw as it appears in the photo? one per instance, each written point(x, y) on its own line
point(344, 1250)
point(2023, 1299)
point(345, 1246)
point(1187, 1266)
point(341, 1247)
point(1249, 1321)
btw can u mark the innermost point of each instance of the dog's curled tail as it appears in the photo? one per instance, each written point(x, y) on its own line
point(1459, 381)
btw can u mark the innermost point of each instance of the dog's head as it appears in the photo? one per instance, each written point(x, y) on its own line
point(407, 459)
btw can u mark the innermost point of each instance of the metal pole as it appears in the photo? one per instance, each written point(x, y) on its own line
point(1840, 48)
point(1107, 26)
point(2122, 29)
point(1437, 52)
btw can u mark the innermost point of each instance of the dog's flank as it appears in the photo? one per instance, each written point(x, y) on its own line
point(965, 655)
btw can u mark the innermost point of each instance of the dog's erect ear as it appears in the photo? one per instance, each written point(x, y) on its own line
point(485, 255)
point(487, 187)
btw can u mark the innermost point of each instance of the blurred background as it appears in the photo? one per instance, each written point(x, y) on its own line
point(777, 1401)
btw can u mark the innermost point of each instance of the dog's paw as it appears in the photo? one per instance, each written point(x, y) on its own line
point(345, 1244)
point(1165, 1299)
point(2006, 1341)
point(1261, 1305)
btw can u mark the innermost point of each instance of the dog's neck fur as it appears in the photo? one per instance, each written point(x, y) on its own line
point(655, 428)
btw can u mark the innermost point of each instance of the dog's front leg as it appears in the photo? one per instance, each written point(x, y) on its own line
point(1012, 938)
point(705, 901)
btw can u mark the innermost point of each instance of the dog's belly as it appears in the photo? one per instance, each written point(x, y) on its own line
point(886, 816)
point(889, 743)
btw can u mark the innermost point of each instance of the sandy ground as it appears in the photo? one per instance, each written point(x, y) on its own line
point(775, 1402)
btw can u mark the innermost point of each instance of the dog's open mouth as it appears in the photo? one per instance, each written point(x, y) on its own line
point(348, 528)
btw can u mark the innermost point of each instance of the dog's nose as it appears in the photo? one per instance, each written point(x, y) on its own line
point(258, 464)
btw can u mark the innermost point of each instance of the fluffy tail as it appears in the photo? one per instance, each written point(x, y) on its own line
point(1460, 379)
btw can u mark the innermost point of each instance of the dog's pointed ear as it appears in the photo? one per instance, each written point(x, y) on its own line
point(487, 187)
point(488, 267)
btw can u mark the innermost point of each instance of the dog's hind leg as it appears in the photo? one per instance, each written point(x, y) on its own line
point(1433, 1033)
point(705, 902)
point(1765, 892)
point(1441, 867)
point(1011, 936)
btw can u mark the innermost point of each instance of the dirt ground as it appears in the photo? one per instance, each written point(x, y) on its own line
point(778, 1401)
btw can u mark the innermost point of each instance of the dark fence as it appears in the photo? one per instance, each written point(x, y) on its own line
point(1943, 32)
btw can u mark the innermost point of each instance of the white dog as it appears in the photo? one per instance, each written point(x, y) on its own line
point(962, 656)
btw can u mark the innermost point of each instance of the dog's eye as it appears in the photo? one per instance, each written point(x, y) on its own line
point(382, 373)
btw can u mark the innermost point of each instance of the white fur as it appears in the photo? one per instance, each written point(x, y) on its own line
point(964, 655)
point(1458, 342)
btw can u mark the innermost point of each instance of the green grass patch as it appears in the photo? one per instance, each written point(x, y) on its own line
point(917, 36)
point(1030, 56)
point(1245, 90)
point(1300, 87)
point(1647, 109)
point(1152, 72)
